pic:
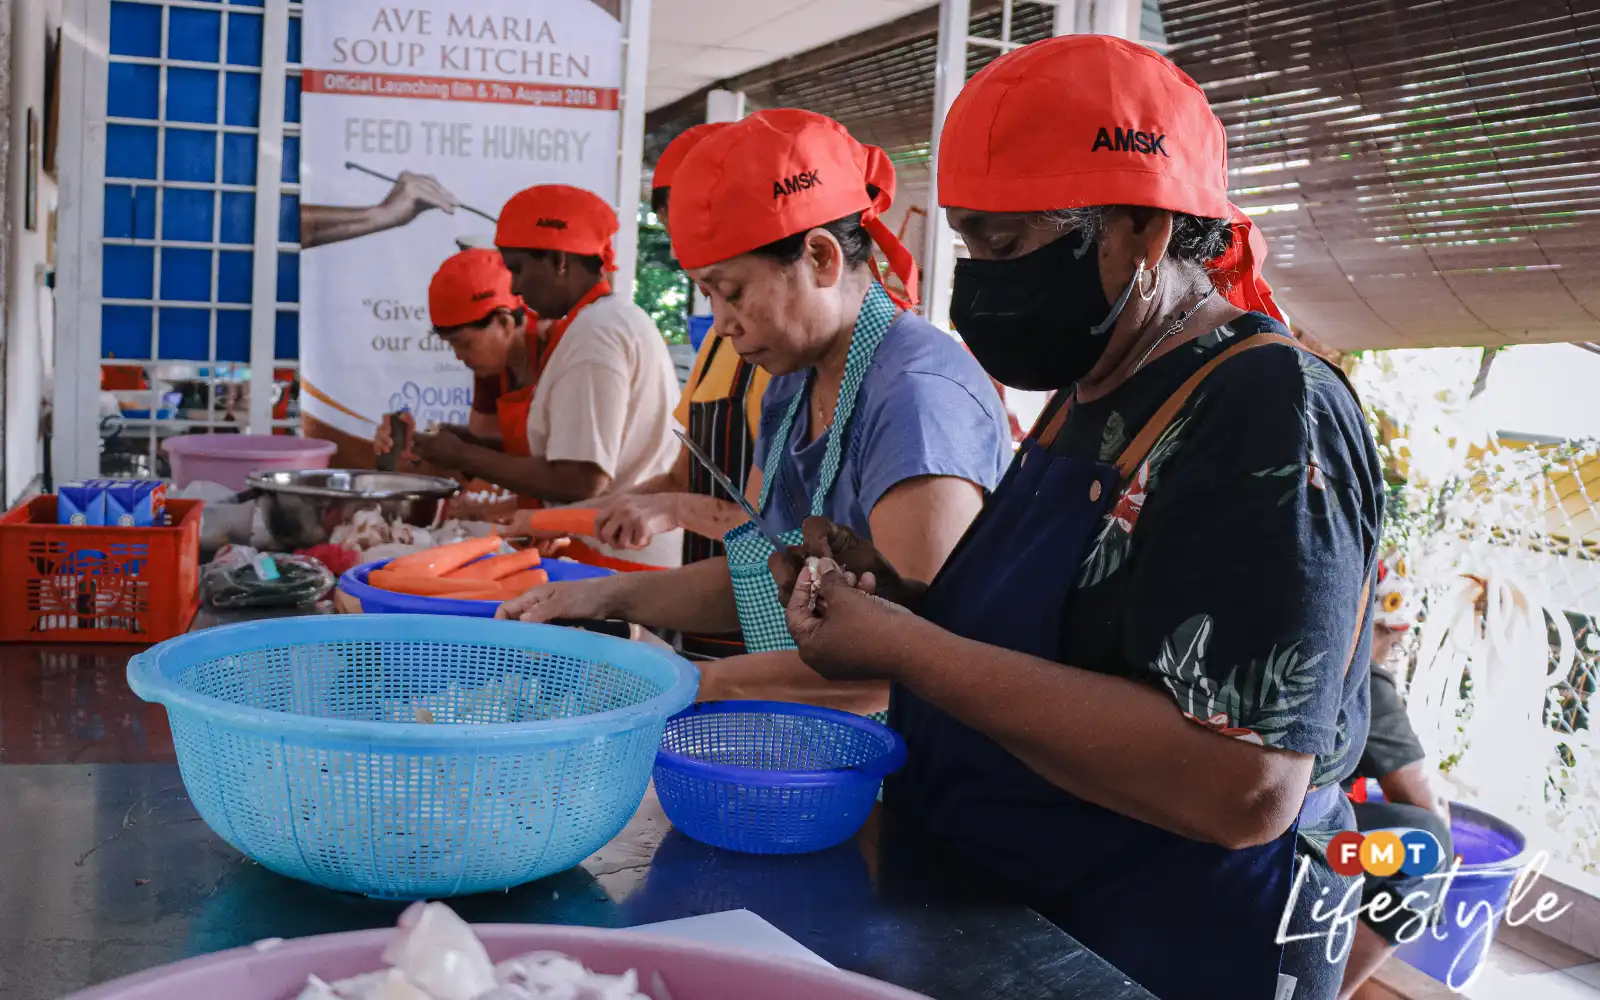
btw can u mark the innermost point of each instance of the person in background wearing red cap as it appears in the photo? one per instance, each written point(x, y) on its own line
point(1133, 689)
point(873, 417)
point(475, 312)
point(720, 409)
point(599, 409)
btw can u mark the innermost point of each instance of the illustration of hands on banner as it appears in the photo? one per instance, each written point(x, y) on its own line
point(410, 195)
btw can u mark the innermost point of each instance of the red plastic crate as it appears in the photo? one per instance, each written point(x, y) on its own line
point(60, 583)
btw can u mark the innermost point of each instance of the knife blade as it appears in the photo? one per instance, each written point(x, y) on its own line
point(733, 491)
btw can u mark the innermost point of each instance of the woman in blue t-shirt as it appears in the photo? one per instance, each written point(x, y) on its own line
point(874, 419)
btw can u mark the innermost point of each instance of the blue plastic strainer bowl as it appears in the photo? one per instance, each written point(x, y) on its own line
point(768, 777)
point(304, 743)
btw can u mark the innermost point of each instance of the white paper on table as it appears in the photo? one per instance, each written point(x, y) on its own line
point(739, 930)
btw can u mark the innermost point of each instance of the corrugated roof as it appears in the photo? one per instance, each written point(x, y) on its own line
point(1426, 174)
point(884, 97)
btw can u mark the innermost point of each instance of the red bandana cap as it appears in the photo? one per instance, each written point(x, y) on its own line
point(1088, 120)
point(1237, 272)
point(468, 287)
point(678, 150)
point(559, 217)
point(875, 164)
point(775, 174)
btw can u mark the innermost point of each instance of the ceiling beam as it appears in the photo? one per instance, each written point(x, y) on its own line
point(922, 24)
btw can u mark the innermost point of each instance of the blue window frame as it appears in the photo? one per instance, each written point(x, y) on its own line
point(183, 109)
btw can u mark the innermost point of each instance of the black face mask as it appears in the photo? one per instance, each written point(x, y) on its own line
point(1039, 321)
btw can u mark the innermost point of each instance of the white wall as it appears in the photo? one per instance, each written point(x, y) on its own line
point(29, 342)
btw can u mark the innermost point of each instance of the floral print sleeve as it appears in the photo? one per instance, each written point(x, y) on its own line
point(1239, 551)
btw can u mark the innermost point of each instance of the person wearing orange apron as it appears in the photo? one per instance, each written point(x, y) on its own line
point(487, 326)
point(595, 415)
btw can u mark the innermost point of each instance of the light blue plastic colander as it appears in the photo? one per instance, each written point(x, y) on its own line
point(299, 742)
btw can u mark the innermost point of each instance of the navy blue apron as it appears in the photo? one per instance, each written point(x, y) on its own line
point(1183, 918)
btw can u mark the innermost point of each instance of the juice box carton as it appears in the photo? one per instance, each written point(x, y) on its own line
point(138, 503)
point(83, 503)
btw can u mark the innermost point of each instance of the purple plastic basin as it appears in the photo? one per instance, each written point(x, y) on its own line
point(690, 971)
point(1492, 853)
point(229, 458)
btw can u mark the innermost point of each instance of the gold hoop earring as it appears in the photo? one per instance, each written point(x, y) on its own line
point(1155, 282)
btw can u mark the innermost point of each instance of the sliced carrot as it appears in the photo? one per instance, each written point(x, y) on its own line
point(496, 567)
point(516, 583)
point(430, 586)
point(441, 559)
point(563, 521)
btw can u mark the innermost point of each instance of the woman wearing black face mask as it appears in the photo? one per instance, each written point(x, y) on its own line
point(1134, 687)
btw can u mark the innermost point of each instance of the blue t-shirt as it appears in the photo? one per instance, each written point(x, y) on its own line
point(925, 409)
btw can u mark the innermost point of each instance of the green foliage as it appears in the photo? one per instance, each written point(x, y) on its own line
point(660, 287)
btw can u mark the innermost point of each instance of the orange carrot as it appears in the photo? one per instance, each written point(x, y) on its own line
point(516, 583)
point(563, 521)
point(430, 586)
point(441, 559)
point(496, 567)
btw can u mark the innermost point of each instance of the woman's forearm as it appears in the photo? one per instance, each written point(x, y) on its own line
point(706, 516)
point(695, 598)
point(1109, 740)
point(484, 427)
point(674, 480)
point(782, 676)
point(530, 476)
point(471, 436)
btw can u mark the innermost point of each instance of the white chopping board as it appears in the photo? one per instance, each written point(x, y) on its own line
point(738, 930)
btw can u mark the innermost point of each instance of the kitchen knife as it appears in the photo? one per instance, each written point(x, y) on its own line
point(733, 491)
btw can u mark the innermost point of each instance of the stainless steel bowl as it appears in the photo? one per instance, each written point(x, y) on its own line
point(302, 508)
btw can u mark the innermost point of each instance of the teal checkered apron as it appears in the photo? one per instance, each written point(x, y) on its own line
point(754, 591)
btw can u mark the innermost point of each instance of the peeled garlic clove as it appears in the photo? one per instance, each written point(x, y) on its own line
point(395, 986)
point(438, 951)
point(316, 989)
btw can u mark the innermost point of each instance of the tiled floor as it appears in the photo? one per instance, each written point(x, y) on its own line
point(1522, 965)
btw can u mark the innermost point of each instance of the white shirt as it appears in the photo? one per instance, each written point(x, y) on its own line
point(606, 398)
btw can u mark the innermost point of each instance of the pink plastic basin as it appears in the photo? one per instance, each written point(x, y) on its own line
point(690, 971)
point(229, 458)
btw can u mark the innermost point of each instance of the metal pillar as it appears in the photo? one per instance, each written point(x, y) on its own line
point(75, 443)
point(724, 105)
point(721, 106)
point(1110, 17)
point(269, 177)
point(1115, 17)
point(636, 63)
point(1100, 17)
point(939, 244)
point(1067, 13)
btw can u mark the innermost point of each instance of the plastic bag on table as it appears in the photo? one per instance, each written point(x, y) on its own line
point(242, 577)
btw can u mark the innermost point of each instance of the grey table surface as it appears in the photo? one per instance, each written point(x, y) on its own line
point(108, 870)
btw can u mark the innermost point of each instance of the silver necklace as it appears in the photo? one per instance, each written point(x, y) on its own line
point(1177, 325)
